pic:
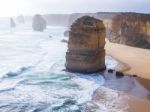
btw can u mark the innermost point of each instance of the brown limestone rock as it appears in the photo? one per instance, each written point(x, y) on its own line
point(86, 43)
point(131, 29)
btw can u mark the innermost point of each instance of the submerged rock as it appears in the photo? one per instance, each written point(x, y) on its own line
point(39, 23)
point(86, 43)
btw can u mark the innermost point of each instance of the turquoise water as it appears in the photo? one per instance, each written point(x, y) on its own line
point(60, 92)
point(32, 76)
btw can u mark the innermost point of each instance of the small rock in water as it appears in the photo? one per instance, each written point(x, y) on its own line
point(110, 70)
point(64, 41)
point(119, 74)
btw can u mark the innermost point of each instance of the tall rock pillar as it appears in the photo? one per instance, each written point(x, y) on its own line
point(86, 52)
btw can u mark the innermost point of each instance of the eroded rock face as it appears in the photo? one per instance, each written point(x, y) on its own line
point(86, 52)
point(39, 23)
point(130, 29)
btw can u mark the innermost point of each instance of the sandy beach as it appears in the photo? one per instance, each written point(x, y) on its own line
point(138, 105)
point(137, 60)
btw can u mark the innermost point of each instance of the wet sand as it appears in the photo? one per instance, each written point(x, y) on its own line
point(132, 61)
point(135, 60)
point(138, 104)
point(132, 93)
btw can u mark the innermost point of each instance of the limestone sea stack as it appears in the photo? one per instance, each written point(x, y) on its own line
point(12, 23)
point(39, 23)
point(86, 43)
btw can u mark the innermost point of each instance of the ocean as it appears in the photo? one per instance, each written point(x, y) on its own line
point(32, 76)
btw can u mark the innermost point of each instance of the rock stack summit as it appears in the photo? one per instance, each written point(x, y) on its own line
point(86, 52)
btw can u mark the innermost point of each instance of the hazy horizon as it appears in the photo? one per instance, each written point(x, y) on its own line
point(29, 7)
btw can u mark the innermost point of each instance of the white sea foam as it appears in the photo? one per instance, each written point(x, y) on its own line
point(44, 81)
point(109, 100)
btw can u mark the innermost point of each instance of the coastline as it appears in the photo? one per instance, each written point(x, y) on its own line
point(128, 93)
point(138, 104)
point(121, 67)
point(133, 61)
point(122, 101)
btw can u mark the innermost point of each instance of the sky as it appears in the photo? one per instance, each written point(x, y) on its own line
point(29, 7)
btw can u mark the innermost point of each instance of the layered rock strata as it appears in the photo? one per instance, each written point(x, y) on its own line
point(130, 29)
point(86, 43)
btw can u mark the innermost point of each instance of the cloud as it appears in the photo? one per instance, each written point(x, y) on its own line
point(14, 7)
point(70, 6)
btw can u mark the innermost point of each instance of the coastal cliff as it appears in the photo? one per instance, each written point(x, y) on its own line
point(130, 29)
